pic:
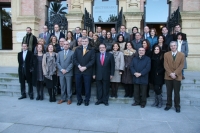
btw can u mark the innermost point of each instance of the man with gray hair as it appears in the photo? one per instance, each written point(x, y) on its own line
point(65, 71)
point(84, 58)
point(173, 64)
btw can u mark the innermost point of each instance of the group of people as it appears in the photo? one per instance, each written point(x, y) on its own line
point(111, 59)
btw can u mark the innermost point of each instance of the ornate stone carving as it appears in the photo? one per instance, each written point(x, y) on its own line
point(76, 7)
point(133, 5)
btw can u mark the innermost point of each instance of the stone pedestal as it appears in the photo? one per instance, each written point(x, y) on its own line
point(191, 26)
point(133, 19)
point(74, 20)
point(75, 16)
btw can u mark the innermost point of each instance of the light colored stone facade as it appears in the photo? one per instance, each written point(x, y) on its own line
point(32, 13)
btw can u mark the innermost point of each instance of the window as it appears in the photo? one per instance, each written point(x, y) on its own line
point(5, 28)
point(105, 10)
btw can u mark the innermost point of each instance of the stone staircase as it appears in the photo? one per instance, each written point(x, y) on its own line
point(190, 89)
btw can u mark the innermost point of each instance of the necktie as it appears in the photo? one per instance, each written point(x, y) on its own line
point(102, 59)
point(174, 56)
point(77, 36)
point(84, 50)
point(45, 36)
point(65, 55)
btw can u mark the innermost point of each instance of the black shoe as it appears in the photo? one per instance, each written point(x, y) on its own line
point(130, 96)
point(41, 98)
point(142, 106)
point(86, 103)
point(98, 102)
point(178, 110)
point(106, 104)
point(135, 104)
point(79, 103)
point(38, 98)
point(126, 95)
point(167, 108)
point(31, 98)
point(22, 97)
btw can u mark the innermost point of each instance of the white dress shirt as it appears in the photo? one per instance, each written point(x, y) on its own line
point(174, 53)
point(24, 55)
point(57, 34)
point(179, 45)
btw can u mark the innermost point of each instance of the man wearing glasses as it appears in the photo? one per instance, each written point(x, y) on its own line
point(84, 58)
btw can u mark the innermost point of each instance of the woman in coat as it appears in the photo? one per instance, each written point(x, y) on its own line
point(182, 47)
point(153, 39)
point(37, 73)
point(157, 75)
point(161, 42)
point(70, 39)
point(146, 46)
point(50, 71)
point(119, 68)
point(95, 42)
point(129, 54)
point(53, 41)
point(121, 41)
point(108, 41)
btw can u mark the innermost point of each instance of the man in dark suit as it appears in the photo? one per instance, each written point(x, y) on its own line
point(45, 35)
point(146, 33)
point(103, 36)
point(24, 71)
point(124, 33)
point(57, 32)
point(113, 31)
point(30, 40)
point(137, 42)
point(177, 29)
point(65, 72)
point(84, 58)
point(173, 64)
point(103, 72)
point(168, 37)
point(77, 33)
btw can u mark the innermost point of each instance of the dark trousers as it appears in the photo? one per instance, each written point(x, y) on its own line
point(114, 88)
point(103, 90)
point(23, 87)
point(40, 88)
point(157, 89)
point(173, 85)
point(128, 89)
point(87, 83)
point(140, 94)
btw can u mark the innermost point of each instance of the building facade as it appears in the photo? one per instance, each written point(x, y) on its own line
point(33, 13)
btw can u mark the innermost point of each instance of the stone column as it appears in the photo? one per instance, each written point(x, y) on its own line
point(133, 14)
point(75, 16)
point(190, 15)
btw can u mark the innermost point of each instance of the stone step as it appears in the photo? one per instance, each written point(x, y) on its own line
point(9, 80)
point(150, 100)
point(9, 75)
point(192, 99)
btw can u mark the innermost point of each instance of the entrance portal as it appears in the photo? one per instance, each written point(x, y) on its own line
point(105, 26)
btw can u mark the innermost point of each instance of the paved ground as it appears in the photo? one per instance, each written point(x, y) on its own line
point(26, 116)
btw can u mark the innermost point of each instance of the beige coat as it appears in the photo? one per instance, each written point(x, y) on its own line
point(119, 65)
point(174, 66)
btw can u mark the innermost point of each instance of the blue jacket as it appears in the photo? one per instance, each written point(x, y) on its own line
point(141, 65)
point(152, 41)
